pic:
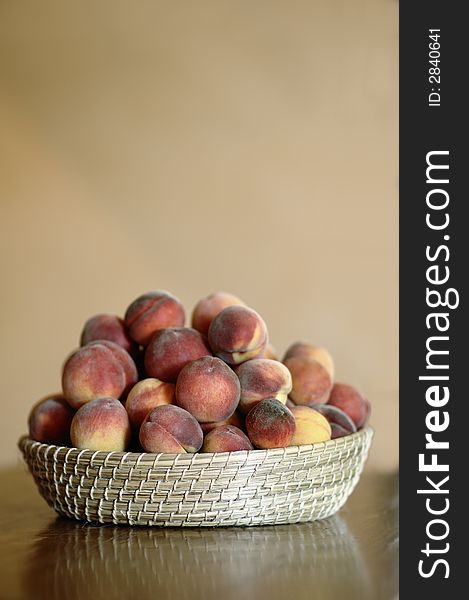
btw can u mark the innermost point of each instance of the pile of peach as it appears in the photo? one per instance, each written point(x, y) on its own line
point(148, 383)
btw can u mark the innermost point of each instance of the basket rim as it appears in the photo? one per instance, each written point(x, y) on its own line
point(367, 431)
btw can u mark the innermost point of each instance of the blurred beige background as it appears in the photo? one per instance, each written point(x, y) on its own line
point(198, 146)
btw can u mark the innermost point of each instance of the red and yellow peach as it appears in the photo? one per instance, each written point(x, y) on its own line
point(101, 424)
point(351, 402)
point(311, 426)
point(97, 370)
point(269, 352)
point(150, 313)
point(110, 328)
point(262, 378)
point(208, 389)
point(311, 351)
point(226, 438)
point(341, 424)
point(312, 382)
point(208, 308)
point(270, 424)
point(172, 349)
point(169, 428)
point(237, 334)
point(145, 396)
point(50, 419)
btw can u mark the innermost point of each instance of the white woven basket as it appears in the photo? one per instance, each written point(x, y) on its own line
point(257, 487)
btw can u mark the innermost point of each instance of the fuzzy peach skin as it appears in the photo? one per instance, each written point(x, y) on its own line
point(351, 401)
point(311, 427)
point(269, 352)
point(107, 327)
point(125, 360)
point(170, 429)
point(97, 370)
point(208, 389)
point(341, 424)
point(145, 396)
point(237, 334)
point(236, 419)
point(101, 424)
point(50, 419)
point(338, 431)
point(150, 313)
point(262, 378)
point(208, 308)
point(311, 351)
point(312, 382)
point(226, 438)
point(270, 424)
point(171, 349)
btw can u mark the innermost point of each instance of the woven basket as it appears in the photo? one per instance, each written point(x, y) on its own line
point(257, 487)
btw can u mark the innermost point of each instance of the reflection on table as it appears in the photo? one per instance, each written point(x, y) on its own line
point(350, 555)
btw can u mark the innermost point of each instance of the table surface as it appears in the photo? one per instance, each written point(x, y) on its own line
point(352, 555)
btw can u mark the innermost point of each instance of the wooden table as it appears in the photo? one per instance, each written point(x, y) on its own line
point(350, 555)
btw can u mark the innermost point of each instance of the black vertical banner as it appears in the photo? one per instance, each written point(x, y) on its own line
point(434, 252)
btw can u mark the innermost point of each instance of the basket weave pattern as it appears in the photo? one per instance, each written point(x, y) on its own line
point(259, 487)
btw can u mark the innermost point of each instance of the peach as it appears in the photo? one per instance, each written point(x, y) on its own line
point(312, 382)
point(150, 313)
point(171, 349)
point(236, 419)
point(270, 424)
point(262, 378)
point(289, 403)
point(101, 424)
point(97, 370)
point(50, 420)
point(269, 352)
point(146, 395)
point(226, 438)
point(169, 428)
point(125, 360)
point(237, 334)
point(107, 327)
point(341, 424)
point(310, 351)
point(208, 308)
point(208, 389)
point(351, 401)
point(337, 431)
point(311, 426)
